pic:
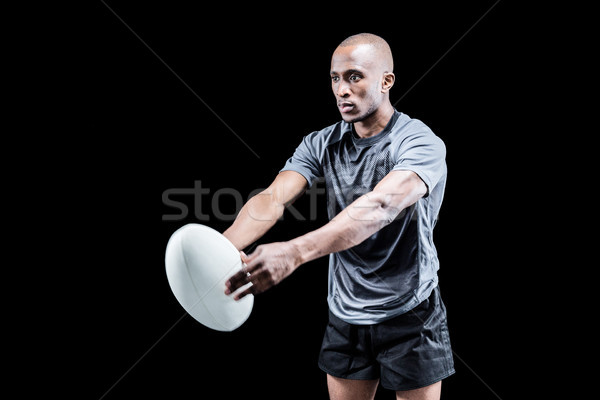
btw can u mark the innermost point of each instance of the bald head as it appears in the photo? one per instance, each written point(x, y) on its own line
point(380, 48)
point(361, 78)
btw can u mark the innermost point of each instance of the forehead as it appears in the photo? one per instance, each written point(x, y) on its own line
point(362, 57)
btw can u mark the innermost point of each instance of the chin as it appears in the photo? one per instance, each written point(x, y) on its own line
point(348, 118)
point(353, 118)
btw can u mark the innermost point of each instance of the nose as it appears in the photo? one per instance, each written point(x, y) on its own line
point(343, 89)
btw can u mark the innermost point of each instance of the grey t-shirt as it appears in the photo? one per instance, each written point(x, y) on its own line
point(396, 268)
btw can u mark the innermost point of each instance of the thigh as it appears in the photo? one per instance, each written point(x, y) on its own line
point(351, 389)
point(431, 392)
point(346, 351)
point(414, 349)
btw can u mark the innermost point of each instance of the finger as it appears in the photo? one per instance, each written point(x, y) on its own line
point(261, 281)
point(250, 263)
point(236, 281)
point(253, 289)
point(240, 278)
point(257, 285)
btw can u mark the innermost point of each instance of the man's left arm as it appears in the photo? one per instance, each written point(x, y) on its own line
point(271, 263)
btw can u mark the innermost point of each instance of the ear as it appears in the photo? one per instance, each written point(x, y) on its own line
point(387, 82)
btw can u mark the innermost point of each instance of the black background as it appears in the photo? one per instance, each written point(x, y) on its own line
point(161, 115)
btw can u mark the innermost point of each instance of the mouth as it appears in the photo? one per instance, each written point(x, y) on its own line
point(345, 106)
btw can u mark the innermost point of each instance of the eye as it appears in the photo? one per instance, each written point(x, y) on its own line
point(335, 78)
point(355, 78)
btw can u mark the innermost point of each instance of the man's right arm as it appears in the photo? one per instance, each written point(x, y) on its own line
point(261, 212)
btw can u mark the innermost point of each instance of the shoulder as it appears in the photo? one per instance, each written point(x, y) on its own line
point(413, 131)
point(331, 133)
point(317, 141)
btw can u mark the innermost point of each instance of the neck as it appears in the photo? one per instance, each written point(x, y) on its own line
point(375, 122)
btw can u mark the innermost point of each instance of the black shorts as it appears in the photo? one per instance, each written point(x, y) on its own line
point(406, 352)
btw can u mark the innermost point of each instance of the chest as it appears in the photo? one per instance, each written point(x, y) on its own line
point(352, 171)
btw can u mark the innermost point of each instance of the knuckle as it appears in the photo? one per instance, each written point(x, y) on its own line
point(270, 279)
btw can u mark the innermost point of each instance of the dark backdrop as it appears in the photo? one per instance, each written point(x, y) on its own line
point(174, 95)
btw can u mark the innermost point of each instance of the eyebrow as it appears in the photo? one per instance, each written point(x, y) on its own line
point(348, 72)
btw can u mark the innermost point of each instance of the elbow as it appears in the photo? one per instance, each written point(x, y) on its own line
point(389, 207)
point(387, 214)
point(264, 207)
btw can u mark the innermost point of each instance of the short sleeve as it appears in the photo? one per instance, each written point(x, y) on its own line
point(306, 158)
point(423, 153)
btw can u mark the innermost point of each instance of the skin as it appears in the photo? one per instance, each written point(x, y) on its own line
point(347, 389)
point(361, 77)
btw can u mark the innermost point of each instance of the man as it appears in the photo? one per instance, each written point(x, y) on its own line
point(385, 175)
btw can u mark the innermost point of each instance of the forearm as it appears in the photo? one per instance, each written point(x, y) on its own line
point(361, 219)
point(272, 262)
point(255, 218)
point(349, 228)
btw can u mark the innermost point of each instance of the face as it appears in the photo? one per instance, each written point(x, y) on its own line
point(356, 81)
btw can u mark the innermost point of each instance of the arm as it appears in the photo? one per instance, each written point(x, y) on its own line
point(261, 212)
point(365, 216)
point(271, 263)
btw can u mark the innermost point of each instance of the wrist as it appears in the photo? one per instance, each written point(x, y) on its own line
point(297, 253)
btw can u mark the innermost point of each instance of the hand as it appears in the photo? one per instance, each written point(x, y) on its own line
point(266, 267)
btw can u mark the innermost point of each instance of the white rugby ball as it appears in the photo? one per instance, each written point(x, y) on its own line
point(199, 260)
